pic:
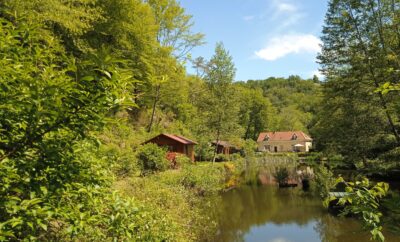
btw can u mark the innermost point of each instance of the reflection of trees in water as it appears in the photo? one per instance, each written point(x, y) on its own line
point(334, 229)
point(249, 206)
point(239, 210)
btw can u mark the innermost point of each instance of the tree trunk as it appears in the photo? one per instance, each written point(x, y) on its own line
point(154, 108)
point(216, 146)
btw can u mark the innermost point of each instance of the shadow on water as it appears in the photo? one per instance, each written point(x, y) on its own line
point(270, 214)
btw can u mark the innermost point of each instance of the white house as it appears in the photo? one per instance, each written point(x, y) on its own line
point(288, 141)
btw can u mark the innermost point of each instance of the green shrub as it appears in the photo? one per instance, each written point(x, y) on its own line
point(52, 184)
point(323, 182)
point(281, 175)
point(204, 151)
point(152, 158)
point(181, 197)
point(392, 211)
point(222, 157)
point(182, 160)
point(235, 157)
point(363, 199)
point(122, 160)
point(203, 179)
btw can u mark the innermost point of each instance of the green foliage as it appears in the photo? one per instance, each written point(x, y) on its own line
point(49, 102)
point(323, 182)
point(249, 148)
point(281, 175)
point(182, 160)
point(181, 197)
point(152, 158)
point(364, 199)
point(359, 55)
point(118, 141)
point(221, 113)
point(391, 211)
point(174, 29)
point(287, 104)
point(202, 179)
point(204, 151)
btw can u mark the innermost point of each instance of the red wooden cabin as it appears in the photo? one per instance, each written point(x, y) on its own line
point(175, 144)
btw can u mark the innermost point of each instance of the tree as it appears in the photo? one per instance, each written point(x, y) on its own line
point(359, 54)
point(256, 112)
point(49, 104)
point(221, 113)
point(175, 37)
point(174, 27)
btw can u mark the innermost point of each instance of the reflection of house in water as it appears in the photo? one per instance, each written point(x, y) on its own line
point(290, 141)
point(175, 144)
point(224, 147)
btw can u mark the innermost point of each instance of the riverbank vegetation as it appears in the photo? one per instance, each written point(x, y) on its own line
point(84, 83)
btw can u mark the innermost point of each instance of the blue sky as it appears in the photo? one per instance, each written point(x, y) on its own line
point(265, 37)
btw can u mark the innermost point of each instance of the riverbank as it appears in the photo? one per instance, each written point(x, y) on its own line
point(267, 213)
point(181, 198)
point(187, 201)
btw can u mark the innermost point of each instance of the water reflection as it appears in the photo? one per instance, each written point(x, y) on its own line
point(269, 214)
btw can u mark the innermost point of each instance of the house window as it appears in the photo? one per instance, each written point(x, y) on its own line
point(266, 138)
point(171, 148)
point(294, 137)
point(267, 147)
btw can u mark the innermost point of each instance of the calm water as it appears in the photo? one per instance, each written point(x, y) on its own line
point(270, 214)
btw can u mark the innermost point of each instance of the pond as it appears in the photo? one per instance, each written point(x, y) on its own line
point(270, 214)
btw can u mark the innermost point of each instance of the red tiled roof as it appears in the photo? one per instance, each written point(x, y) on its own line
point(175, 137)
point(284, 136)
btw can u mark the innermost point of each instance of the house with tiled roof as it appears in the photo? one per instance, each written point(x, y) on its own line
point(287, 141)
point(175, 144)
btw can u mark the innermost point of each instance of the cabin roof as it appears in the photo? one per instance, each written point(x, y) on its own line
point(175, 137)
point(222, 143)
point(283, 136)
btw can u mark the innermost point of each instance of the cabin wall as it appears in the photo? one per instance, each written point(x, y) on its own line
point(174, 146)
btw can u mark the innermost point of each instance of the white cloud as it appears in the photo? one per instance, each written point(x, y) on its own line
point(285, 13)
point(279, 239)
point(285, 7)
point(248, 18)
point(281, 46)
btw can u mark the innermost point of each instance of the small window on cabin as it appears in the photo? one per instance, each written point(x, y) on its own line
point(294, 137)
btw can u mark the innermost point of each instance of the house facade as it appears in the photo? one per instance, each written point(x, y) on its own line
point(175, 144)
point(288, 141)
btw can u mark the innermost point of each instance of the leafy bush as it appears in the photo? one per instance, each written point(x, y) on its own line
point(204, 151)
point(203, 179)
point(152, 158)
point(179, 196)
point(222, 157)
point(391, 210)
point(182, 160)
point(118, 140)
point(323, 182)
point(364, 200)
point(49, 174)
point(281, 175)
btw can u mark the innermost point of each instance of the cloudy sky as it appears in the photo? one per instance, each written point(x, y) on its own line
point(265, 37)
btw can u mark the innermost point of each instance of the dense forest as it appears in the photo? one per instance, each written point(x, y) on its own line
point(83, 83)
